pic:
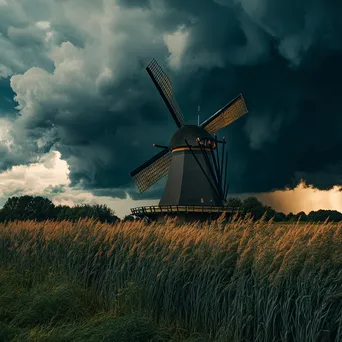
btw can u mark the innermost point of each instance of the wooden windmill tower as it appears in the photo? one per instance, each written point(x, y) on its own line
point(197, 171)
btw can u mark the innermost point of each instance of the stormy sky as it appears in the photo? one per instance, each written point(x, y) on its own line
point(73, 84)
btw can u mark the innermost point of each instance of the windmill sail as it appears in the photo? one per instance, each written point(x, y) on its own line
point(151, 171)
point(226, 115)
point(164, 87)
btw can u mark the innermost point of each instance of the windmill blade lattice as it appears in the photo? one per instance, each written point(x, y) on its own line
point(164, 87)
point(226, 115)
point(153, 170)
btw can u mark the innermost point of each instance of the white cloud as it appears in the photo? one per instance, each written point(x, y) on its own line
point(5, 71)
point(49, 177)
point(5, 126)
point(78, 104)
point(113, 53)
point(176, 44)
point(43, 25)
point(35, 178)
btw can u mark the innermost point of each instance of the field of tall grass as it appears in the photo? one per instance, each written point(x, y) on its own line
point(240, 281)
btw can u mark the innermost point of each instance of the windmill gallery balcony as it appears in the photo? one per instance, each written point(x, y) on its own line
point(192, 212)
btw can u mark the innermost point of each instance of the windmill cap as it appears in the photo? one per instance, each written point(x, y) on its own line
point(190, 133)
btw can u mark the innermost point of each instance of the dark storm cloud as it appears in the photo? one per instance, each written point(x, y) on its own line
point(284, 57)
point(101, 111)
point(6, 98)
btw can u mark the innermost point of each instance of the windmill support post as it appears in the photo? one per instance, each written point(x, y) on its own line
point(217, 169)
point(210, 167)
point(201, 167)
point(225, 177)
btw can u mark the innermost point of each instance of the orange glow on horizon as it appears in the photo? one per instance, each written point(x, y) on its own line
point(303, 198)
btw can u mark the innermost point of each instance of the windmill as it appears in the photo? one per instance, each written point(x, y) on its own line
point(197, 175)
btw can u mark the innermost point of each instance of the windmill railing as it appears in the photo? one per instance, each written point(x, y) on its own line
point(183, 209)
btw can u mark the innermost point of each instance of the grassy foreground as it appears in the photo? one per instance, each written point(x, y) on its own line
point(58, 309)
point(243, 281)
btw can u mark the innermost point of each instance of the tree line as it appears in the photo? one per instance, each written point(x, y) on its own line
point(41, 209)
point(253, 206)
